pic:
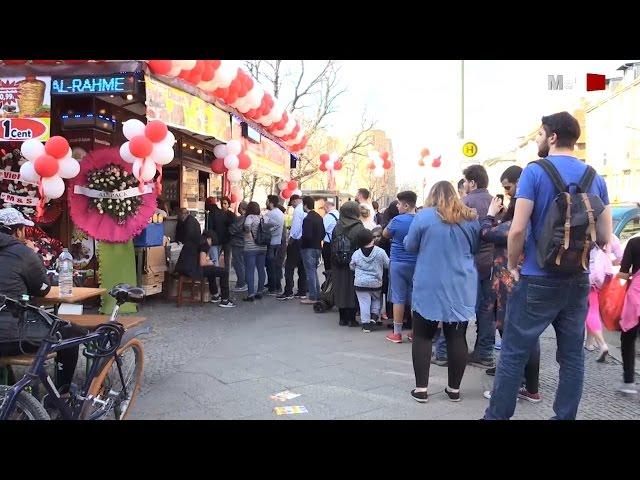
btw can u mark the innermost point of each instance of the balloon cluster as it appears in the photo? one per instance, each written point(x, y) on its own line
point(47, 165)
point(230, 159)
point(379, 162)
point(149, 147)
point(225, 80)
point(425, 157)
point(288, 188)
point(329, 163)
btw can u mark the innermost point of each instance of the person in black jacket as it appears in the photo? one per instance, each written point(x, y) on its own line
point(188, 233)
point(23, 273)
point(311, 248)
point(219, 220)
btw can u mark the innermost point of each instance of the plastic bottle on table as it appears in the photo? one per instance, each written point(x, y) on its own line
point(65, 273)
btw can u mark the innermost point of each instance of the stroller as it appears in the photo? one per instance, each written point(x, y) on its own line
point(326, 295)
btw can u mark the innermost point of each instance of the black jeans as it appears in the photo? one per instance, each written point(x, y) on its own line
point(347, 316)
point(628, 341)
point(326, 256)
point(274, 268)
point(211, 273)
point(66, 360)
point(423, 333)
point(294, 260)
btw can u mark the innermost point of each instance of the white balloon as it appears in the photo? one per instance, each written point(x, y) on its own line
point(333, 157)
point(126, 154)
point(28, 173)
point(226, 73)
point(329, 165)
point(53, 187)
point(68, 168)
point(242, 105)
point(378, 172)
point(265, 120)
point(231, 162)
point(282, 185)
point(297, 192)
point(234, 175)
point(254, 97)
point(234, 147)
point(378, 162)
point(162, 154)
point(220, 151)
point(169, 139)
point(185, 64)
point(136, 168)
point(291, 124)
point(132, 128)
point(148, 170)
point(175, 71)
point(373, 154)
point(32, 149)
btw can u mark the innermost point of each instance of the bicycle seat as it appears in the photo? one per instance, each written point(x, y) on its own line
point(126, 293)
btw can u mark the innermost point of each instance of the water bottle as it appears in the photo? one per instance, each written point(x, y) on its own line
point(65, 273)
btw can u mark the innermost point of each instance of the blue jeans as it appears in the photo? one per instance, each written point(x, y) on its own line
point(536, 303)
point(274, 268)
point(311, 259)
point(253, 260)
point(485, 321)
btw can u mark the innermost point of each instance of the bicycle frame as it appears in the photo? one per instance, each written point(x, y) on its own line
point(37, 371)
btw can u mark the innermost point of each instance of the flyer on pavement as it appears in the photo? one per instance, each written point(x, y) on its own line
point(284, 396)
point(290, 410)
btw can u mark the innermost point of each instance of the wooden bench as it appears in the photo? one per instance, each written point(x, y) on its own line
point(91, 321)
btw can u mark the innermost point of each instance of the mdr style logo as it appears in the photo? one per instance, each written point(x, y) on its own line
point(590, 82)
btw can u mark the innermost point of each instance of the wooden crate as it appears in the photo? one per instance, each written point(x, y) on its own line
point(152, 289)
point(152, 278)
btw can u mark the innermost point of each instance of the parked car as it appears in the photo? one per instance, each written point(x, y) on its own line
point(626, 221)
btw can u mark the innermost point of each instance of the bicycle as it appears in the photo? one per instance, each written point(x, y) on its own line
point(109, 386)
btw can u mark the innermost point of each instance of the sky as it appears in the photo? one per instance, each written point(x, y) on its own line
point(417, 103)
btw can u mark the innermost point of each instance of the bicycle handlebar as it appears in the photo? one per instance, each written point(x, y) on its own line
point(21, 306)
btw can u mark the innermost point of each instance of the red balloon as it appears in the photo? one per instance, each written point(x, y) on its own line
point(324, 158)
point(156, 130)
point(57, 147)
point(208, 72)
point(292, 185)
point(384, 155)
point(234, 88)
point(245, 161)
point(233, 198)
point(194, 77)
point(46, 165)
point(424, 152)
point(221, 92)
point(286, 193)
point(436, 162)
point(421, 163)
point(386, 164)
point(231, 98)
point(371, 165)
point(140, 146)
point(323, 167)
point(14, 62)
point(161, 67)
point(337, 165)
point(184, 74)
point(217, 166)
point(215, 64)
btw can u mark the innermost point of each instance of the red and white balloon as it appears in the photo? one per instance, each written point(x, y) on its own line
point(149, 148)
point(426, 158)
point(379, 162)
point(47, 165)
point(230, 159)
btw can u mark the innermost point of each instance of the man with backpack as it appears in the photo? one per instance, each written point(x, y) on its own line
point(294, 256)
point(330, 221)
point(563, 209)
point(311, 248)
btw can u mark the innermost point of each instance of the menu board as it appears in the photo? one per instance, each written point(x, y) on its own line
point(190, 188)
point(25, 108)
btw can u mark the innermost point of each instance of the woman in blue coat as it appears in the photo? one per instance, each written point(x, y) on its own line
point(445, 235)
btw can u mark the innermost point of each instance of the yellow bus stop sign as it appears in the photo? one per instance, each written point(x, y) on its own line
point(469, 149)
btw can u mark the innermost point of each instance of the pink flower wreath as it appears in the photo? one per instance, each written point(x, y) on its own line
point(89, 220)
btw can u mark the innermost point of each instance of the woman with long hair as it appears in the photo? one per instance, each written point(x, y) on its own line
point(445, 235)
point(254, 255)
point(349, 226)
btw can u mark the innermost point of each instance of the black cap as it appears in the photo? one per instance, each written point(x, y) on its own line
point(292, 198)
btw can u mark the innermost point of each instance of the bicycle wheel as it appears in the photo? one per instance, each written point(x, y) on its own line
point(109, 379)
point(26, 406)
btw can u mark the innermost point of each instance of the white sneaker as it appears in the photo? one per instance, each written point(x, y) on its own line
point(487, 394)
point(629, 388)
point(241, 289)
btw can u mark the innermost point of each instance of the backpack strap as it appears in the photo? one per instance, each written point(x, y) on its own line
point(553, 174)
point(587, 179)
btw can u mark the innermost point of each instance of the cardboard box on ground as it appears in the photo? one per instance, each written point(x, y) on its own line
point(155, 266)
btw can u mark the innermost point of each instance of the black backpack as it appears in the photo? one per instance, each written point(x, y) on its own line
point(569, 229)
point(341, 250)
point(263, 235)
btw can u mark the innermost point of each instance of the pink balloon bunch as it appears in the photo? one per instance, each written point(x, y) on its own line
point(288, 188)
point(226, 80)
point(149, 147)
point(46, 166)
point(230, 159)
point(329, 163)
